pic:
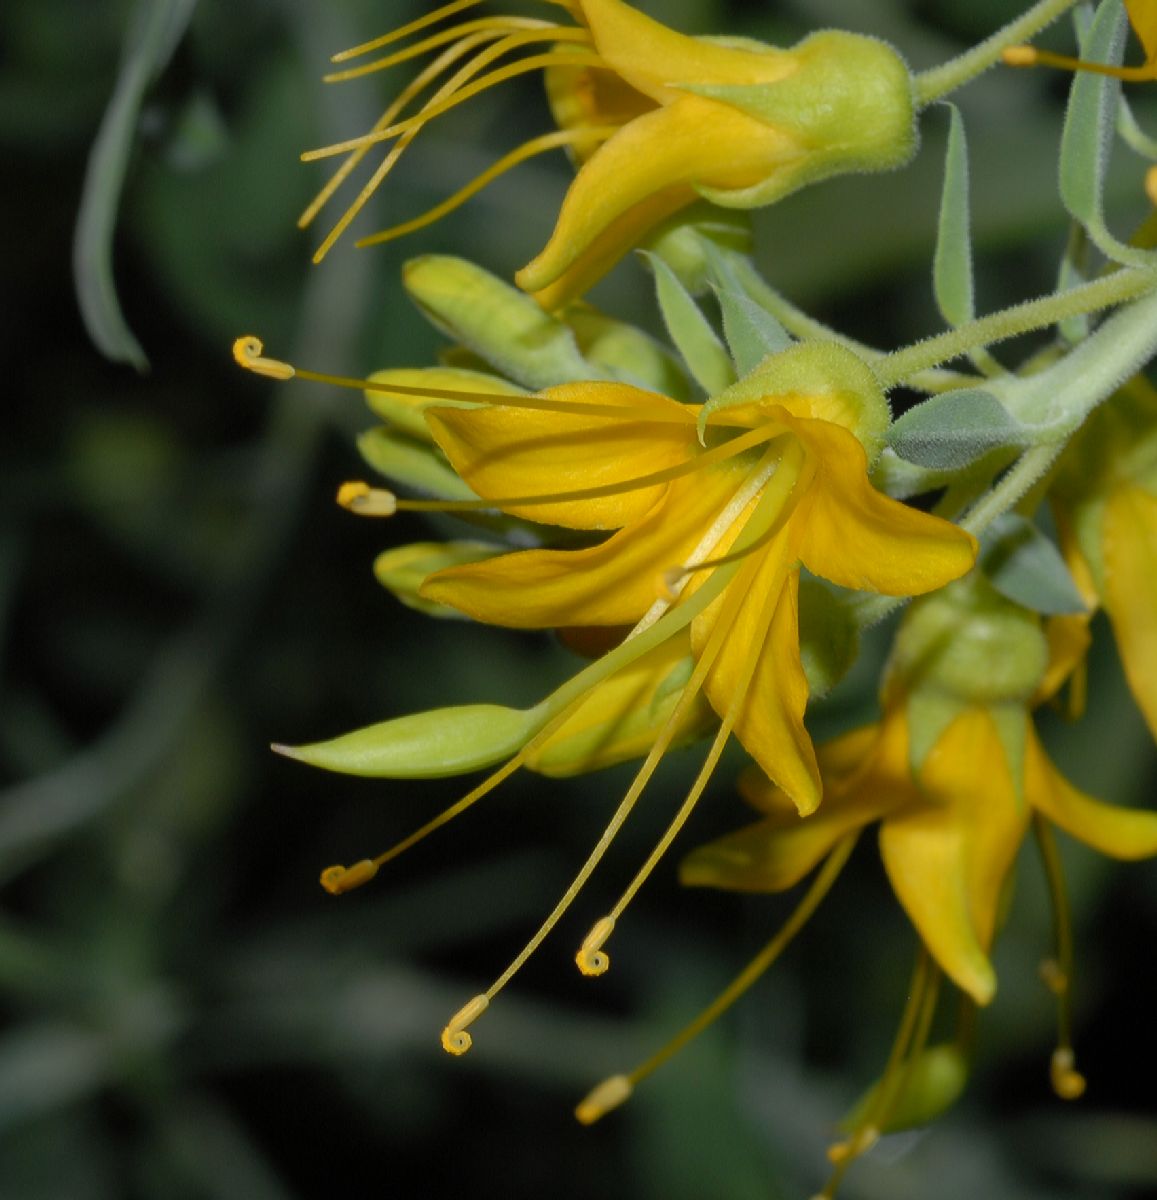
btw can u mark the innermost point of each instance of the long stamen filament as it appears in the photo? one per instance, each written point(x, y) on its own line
point(528, 150)
point(1067, 1081)
point(440, 14)
point(414, 88)
point(494, 25)
point(614, 1091)
point(248, 352)
point(534, 62)
point(1030, 56)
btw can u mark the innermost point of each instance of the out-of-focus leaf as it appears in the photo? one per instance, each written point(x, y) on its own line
point(955, 429)
point(155, 31)
point(1026, 567)
point(43, 1067)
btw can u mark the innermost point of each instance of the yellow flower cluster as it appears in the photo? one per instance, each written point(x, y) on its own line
point(716, 555)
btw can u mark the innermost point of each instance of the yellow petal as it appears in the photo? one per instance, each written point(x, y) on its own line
point(770, 723)
point(583, 97)
point(1130, 551)
point(1143, 18)
point(948, 858)
point(1068, 637)
point(407, 412)
point(645, 172)
point(1119, 832)
point(858, 537)
point(649, 56)
point(612, 583)
point(504, 452)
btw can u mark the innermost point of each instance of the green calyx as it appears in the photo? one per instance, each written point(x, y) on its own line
point(848, 105)
point(822, 380)
point(967, 645)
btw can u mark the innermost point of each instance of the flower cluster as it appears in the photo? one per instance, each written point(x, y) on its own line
point(714, 524)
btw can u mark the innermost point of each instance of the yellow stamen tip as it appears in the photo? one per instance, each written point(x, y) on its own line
point(247, 353)
point(1020, 56)
point(455, 1039)
point(602, 1099)
point(1067, 1081)
point(358, 497)
point(1151, 185)
point(591, 958)
point(338, 879)
point(1053, 977)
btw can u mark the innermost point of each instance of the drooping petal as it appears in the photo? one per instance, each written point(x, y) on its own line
point(612, 583)
point(861, 539)
point(649, 56)
point(1130, 553)
point(770, 723)
point(645, 172)
point(1119, 832)
point(503, 451)
point(948, 859)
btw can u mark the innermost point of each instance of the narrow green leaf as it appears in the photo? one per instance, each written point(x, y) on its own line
point(955, 429)
point(1090, 122)
point(156, 29)
point(952, 262)
point(752, 333)
point(696, 341)
point(1025, 566)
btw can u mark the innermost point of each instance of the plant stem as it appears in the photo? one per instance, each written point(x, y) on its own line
point(936, 83)
point(1013, 485)
point(1122, 285)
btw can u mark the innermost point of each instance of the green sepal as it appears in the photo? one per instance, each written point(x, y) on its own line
point(930, 712)
point(403, 569)
point(848, 105)
point(829, 636)
point(499, 323)
point(426, 745)
point(413, 464)
point(690, 241)
point(624, 352)
point(752, 333)
point(832, 376)
point(952, 260)
point(932, 1083)
point(1024, 565)
point(705, 355)
point(956, 429)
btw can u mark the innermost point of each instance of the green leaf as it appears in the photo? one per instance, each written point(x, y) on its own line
point(1088, 135)
point(955, 429)
point(426, 745)
point(952, 262)
point(156, 29)
point(1026, 567)
point(752, 333)
point(696, 341)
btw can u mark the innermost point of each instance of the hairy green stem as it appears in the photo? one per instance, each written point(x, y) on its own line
point(1122, 285)
point(938, 82)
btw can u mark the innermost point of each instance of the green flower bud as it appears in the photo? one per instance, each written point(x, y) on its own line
point(931, 1084)
point(404, 569)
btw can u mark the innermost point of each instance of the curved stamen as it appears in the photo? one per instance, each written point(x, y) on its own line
point(1067, 1081)
point(614, 1091)
point(528, 150)
point(1030, 56)
point(440, 14)
point(524, 66)
point(498, 25)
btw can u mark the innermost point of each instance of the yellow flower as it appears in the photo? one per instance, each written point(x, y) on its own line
point(707, 534)
point(1105, 501)
point(658, 118)
point(1143, 18)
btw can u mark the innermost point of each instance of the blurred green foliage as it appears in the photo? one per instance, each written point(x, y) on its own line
point(187, 1014)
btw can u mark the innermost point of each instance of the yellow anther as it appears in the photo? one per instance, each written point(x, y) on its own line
point(602, 1099)
point(1067, 1081)
point(338, 879)
point(1151, 185)
point(1020, 56)
point(455, 1039)
point(358, 497)
point(1053, 977)
point(591, 958)
point(247, 353)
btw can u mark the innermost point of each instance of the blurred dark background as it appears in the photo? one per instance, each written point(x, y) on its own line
point(185, 1012)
